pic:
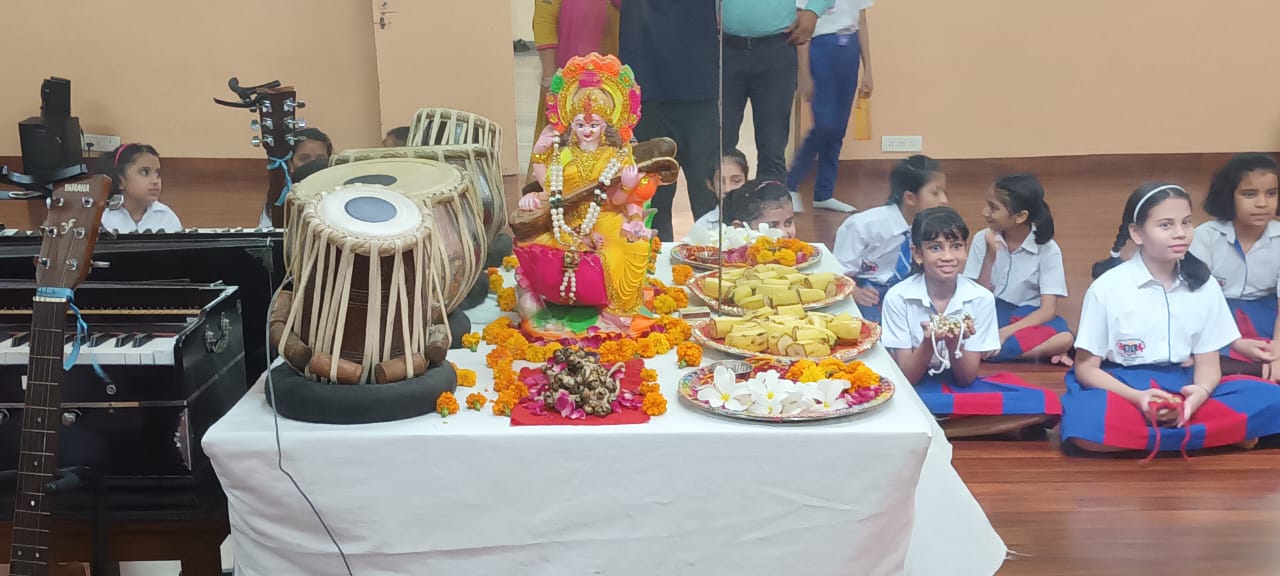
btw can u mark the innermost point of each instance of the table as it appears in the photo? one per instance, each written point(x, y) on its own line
point(684, 494)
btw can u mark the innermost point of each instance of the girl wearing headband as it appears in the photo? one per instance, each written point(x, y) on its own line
point(730, 174)
point(1147, 347)
point(135, 174)
point(761, 202)
point(874, 247)
point(1017, 259)
point(1241, 245)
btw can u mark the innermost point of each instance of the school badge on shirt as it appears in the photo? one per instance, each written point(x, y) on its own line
point(868, 268)
point(1131, 348)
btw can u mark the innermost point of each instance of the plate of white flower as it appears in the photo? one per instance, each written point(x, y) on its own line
point(758, 390)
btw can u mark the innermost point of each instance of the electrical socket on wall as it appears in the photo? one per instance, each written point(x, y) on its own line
point(901, 143)
point(101, 144)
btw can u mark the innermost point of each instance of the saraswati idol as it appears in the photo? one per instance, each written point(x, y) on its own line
point(582, 239)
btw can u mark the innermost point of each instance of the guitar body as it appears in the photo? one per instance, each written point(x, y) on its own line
point(70, 233)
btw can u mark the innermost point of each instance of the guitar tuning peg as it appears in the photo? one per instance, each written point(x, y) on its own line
point(115, 202)
point(254, 125)
point(267, 124)
point(269, 140)
point(256, 141)
point(301, 104)
point(291, 140)
point(301, 123)
point(266, 106)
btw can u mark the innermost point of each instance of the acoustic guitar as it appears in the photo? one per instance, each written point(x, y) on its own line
point(70, 232)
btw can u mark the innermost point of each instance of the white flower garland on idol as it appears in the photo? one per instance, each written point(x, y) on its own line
point(556, 189)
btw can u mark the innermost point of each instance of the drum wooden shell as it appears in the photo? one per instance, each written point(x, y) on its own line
point(442, 190)
point(478, 161)
point(447, 127)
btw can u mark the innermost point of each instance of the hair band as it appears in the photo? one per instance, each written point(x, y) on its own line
point(120, 151)
point(1152, 192)
point(1115, 254)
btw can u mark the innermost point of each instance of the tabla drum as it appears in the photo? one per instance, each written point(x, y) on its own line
point(447, 127)
point(363, 283)
point(438, 189)
point(478, 161)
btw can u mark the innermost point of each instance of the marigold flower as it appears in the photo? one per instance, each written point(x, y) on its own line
point(503, 405)
point(680, 297)
point(646, 348)
point(495, 331)
point(446, 404)
point(681, 274)
point(812, 373)
point(798, 368)
point(495, 283)
point(677, 330)
point(499, 357)
point(664, 304)
point(509, 262)
point(689, 354)
point(507, 299)
point(471, 341)
point(786, 257)
point(661, 344)
point(649, 388)
point(655, 404)
point(504, 380)
point(615, 351)
point(466, 378)
point(476, 401)
point(648, 375)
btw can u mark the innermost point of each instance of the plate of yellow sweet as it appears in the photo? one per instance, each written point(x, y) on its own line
point(789, 333)
point(740, 291)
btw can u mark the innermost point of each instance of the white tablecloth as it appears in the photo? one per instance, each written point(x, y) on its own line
point(684, 494)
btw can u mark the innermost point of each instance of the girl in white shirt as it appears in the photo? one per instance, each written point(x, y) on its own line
point(874, 247)
point(731, 174)
point(1017, 259)
point(135, 174)
point(1147, 373)
point(1241, 245)
point(944, 369)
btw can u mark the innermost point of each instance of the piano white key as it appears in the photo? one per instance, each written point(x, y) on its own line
point(155, 352)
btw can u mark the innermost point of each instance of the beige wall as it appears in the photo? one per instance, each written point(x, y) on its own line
point(146, 70)
point(522, 19)
point(450, 54)
point(1007, 78)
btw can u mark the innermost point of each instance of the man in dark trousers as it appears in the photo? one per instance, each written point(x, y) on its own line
point(673, 46)
point(760, 39)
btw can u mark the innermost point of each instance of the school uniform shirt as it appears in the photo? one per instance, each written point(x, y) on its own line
point(841, 18)
point(1021, 276)
point(1245, 276)
point(907, 305)
point(868, 243)
point(1129, 318)
point(157, 217)
point(710, 220)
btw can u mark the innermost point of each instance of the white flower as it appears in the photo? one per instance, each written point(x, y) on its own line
point(768, 392)
point(732, 237)
point(830, 394)
point(725, 391)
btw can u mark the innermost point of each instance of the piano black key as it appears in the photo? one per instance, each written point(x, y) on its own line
point(97, 338)
point(20, 339)
point(68, 338)
point(140, 339)
point(123, 340)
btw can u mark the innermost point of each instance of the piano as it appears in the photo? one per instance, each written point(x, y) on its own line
point(251, 259)
point(161, 363)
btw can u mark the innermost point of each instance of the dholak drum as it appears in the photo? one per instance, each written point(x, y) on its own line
point(379, 251)
point(480, 163)
point(438, 189)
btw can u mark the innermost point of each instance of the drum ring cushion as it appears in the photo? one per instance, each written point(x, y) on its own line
point(299, 398)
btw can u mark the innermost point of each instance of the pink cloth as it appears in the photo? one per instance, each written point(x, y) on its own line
point(582, 24)
point(543, 268)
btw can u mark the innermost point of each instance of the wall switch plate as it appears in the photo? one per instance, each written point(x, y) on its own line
point(901, 143)
point(101, 144)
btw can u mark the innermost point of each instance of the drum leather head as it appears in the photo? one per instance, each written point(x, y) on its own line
point(409, 176)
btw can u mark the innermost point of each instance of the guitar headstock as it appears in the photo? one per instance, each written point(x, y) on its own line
point(276, 106)
point(70, 232)
point(277, 120)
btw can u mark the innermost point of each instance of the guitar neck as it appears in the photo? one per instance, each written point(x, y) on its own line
point(37, 460)
point(275, 187)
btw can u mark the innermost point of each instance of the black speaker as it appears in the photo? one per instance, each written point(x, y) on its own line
point(50, 145)
point(55, 98)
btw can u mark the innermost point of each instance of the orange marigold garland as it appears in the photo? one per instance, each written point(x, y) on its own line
point(496, 330)
point(446, 404)
point(655, 404)
point(499, 357)
point(495, 283)
point(648, 375)
point(681, 274)
point(661, 343)
point(476, 401)
point(615, 351)
point(507, 299)
point(649, 388)
point(664, 304)
point(676, 329)
point(689, 354)
point(503, 405)
point(786, 257)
